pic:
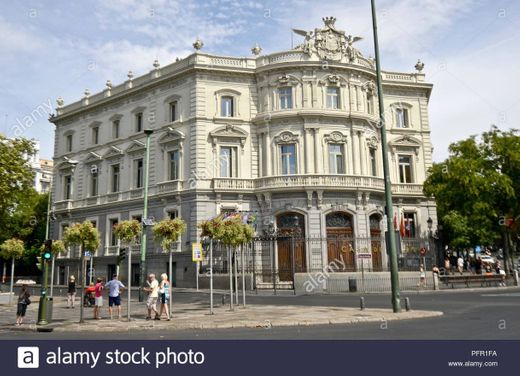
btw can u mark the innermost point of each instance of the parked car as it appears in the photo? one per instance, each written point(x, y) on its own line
point(487, 259)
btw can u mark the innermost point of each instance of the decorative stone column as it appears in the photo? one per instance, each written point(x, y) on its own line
point(268, 153)
point(355, 151)
point(309, 167)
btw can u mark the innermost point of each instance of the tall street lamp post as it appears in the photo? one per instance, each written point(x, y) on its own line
point(142, 268)
point(390, 244)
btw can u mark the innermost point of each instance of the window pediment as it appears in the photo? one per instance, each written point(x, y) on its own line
point(286, 80)
point(171, 136)
point(405, 143)
point(113, 152)
point(333, 80)
point(93, 158)
point(228, 133)
point(335, 137)
point(286, 137)
point(136, 146)
point(115, 117)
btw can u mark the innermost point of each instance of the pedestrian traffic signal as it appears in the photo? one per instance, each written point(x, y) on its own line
point(47, 253)
point(39, 263)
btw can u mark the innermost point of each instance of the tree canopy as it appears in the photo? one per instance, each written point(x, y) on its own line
point(477, 188)
point(16, 176)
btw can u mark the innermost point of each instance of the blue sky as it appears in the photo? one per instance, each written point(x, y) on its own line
point(60, 48)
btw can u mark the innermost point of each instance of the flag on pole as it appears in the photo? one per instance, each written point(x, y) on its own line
point(395, 222)
point(402, 227)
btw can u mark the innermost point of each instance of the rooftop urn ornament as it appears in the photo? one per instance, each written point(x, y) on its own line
point(87, 93)
point(60, 102)
point(156, 64)
point(419, 66)
point(108, 84)
point(256, 50)
point(130, 75)
point(198, 44)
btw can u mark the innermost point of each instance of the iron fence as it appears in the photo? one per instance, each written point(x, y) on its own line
point(273, 262)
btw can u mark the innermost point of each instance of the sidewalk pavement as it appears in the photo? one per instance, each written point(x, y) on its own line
point(195, 315)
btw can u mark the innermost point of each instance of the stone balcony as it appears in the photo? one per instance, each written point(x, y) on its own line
point(300, 182)
point(281, 183)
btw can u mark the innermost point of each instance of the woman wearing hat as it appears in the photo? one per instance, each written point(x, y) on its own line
point(71, 293)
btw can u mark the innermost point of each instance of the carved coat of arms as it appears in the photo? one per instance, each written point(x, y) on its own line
point(329, 43)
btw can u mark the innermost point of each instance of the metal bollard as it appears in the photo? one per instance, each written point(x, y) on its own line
point(223, 299)
point(407, 304)
point(516, 277)
point(362, 303)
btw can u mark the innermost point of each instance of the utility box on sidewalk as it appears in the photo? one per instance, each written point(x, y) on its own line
point(352, 285)
point(49, 310)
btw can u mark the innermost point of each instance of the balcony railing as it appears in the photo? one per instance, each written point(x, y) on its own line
point(407, 189)
point(169, 186)
point(276, 183)
point(233, 184)
point(318, 181)
point(63, 205)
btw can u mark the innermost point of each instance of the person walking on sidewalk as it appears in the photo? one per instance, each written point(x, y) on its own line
point(23, 302)
point(98, 303)
point(153, 295)
point(71, 292)
point(114, 295)
point(164, 296)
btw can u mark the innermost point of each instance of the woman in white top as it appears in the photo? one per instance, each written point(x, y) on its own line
point(164, 295)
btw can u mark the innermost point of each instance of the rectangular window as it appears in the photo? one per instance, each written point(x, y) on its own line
point(115, 129)
point(370, 107)
point(228, 162)
point(333, 97)
point(288, 153)
point(173, 111)
point(373, 162)
point(285, 94)
point(67, 185)
point(173, 173)
point(93, 184)
point(172, 214)
point(115, 178)
point(139, 122)
point(95, 135)
point(138, 168)
point(336, 159)
point(226, 107)
point(401, 118)
point(405, 169)
point(113, 237)
point(69, 143)
point(409, 224)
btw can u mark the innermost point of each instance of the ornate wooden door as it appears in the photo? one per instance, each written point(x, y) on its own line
point(290, 246)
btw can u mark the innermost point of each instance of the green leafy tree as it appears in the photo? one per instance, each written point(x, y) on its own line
point(128, 232)
point(168, 232)
point(86, 236)
point(12, 249)
point(16, 176)
point(477, 189)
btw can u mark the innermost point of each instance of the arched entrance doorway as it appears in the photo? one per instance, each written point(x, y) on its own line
point(340, 239)
point(291, 245)
point(375, 242)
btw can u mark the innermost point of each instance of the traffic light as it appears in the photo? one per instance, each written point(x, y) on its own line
point(121, 256)
point(47, 253)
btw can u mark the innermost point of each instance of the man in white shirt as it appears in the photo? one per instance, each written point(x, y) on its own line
point(153, 295)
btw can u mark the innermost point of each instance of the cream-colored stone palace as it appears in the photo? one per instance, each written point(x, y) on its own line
point(290, 136)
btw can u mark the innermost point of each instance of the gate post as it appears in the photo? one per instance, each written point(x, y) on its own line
point(293, 265)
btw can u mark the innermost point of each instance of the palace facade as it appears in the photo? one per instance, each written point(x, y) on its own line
point(290, 136)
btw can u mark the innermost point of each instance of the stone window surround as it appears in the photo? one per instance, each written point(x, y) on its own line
point(235, 95)
point(170, 141)
point(167, 110)
point(283, 138)
point(405, 106)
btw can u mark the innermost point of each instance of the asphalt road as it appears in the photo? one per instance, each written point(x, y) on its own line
point(476, 315)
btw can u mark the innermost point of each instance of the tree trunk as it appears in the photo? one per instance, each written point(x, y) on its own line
point(12, 283)
point(81, 281)
point(505, 237)
point(4, 271)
